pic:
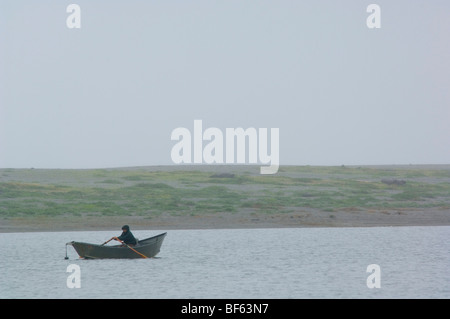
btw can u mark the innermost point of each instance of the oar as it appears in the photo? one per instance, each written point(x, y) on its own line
point(107, 241)
point(142, 255)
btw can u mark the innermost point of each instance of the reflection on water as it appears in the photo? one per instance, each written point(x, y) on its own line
point(238, 263)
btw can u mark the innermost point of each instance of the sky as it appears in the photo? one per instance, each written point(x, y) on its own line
point(109, 94)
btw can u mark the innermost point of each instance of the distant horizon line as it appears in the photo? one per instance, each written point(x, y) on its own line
point(224, 165)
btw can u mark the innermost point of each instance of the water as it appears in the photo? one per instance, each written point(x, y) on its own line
point(238, 263)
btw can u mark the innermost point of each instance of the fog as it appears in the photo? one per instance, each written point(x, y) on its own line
point(109, 94)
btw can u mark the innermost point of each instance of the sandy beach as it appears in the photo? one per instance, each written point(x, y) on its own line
point(228, 220)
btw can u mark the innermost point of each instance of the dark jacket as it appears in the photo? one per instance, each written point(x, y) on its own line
point(127, 237)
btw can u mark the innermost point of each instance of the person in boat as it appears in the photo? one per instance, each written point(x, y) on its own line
point(127, 236)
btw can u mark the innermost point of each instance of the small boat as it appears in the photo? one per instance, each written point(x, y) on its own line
point(146, 248)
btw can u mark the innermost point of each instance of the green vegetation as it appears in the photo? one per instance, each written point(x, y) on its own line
point(150, 192)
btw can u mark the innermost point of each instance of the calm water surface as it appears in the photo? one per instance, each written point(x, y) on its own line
point(238, 263)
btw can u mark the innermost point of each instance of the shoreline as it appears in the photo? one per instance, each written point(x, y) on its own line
point(301, 219)
point(223, 197)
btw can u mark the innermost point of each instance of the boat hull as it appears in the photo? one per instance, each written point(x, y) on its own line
point(149, 247)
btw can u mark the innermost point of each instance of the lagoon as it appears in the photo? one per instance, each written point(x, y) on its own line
point(236, 263)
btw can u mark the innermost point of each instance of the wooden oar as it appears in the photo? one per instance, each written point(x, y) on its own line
point(107, 241)
point(142, 255)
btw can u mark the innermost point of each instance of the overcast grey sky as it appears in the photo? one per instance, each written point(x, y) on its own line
point(110, 94)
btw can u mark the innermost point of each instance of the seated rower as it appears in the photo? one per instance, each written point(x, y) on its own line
point(127, 236)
